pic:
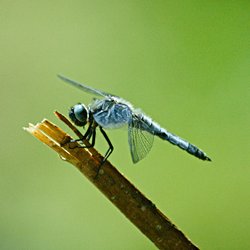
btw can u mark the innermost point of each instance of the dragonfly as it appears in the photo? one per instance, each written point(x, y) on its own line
point(109, 111)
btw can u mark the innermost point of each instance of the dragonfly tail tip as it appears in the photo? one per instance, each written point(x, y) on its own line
point(208, 159)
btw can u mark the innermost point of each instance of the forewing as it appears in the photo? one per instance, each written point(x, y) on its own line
point(140, 141)
point(84, 87)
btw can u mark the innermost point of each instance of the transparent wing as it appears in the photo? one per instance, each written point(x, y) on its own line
point(84, 87)
point(140, 141)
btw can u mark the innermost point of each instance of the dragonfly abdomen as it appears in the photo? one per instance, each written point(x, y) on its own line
point(190, 148)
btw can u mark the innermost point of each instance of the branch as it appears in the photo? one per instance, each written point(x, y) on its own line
point(123, 194)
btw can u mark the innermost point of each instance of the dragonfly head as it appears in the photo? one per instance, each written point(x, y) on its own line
point(79, 114)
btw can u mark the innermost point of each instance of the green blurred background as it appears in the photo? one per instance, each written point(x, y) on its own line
point(185, 63)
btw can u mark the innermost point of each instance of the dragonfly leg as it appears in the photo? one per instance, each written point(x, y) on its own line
point(110, 149)
point(93, 135)
point(107, 154)
point(88, 134)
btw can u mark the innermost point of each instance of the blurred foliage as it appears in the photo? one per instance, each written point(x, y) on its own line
point(185, 63)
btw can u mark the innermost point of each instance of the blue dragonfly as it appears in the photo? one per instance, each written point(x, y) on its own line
point(109, 111)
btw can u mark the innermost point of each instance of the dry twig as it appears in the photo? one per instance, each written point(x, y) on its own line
point(123, 194)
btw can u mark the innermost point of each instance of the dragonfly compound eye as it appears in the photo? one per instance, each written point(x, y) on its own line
point(79, 114)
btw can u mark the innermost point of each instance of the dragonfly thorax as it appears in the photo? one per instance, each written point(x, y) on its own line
point(79, 114)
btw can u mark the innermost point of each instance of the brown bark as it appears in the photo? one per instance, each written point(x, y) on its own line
point(121, 192)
